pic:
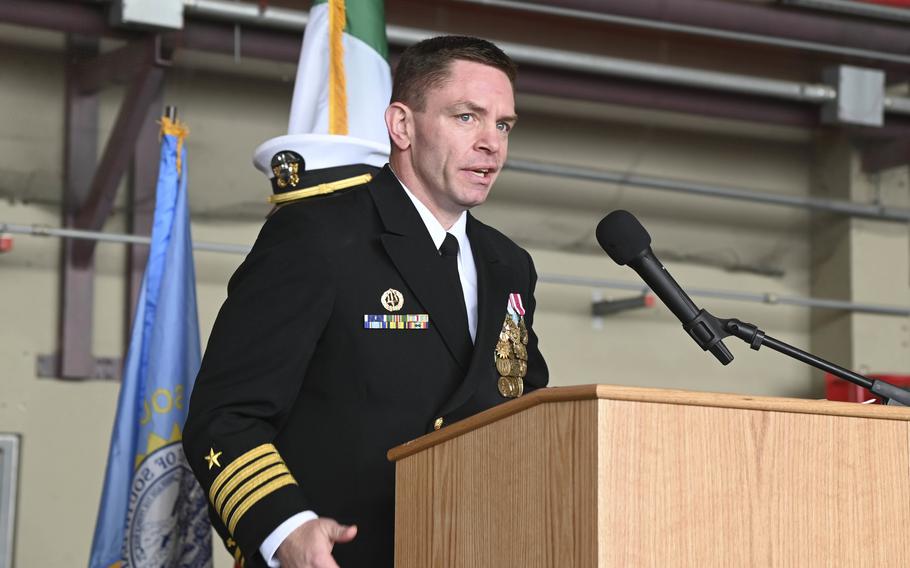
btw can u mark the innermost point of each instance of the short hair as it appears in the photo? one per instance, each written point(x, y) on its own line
point(426, 65)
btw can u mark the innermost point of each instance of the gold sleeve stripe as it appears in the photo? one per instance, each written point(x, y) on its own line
point(238, 463)
point(254, 498)
point(237, 554)
point(243, 475)
point(249, 486)
point(320, 189)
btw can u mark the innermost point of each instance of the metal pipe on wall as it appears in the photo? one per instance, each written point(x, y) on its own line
point(752, 297)
point(767, 38)
point(40, 13)
point(561, 59)
point(875, 212)
point(246, 13)
point(767, 19)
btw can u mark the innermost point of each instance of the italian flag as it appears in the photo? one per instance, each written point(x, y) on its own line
point(342, 89)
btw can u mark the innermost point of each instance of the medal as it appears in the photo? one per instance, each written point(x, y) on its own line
point(519, 387)
point(521, 352)
point(520, 369)
point(510, 387)
point(505, 387)
point(511, 353)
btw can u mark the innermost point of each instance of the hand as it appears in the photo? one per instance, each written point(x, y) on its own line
point(310, 545)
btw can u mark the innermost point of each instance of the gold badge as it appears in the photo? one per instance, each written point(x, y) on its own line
point(212, 458)
point(392, 300)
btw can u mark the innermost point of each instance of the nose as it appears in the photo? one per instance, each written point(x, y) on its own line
point(489, 139)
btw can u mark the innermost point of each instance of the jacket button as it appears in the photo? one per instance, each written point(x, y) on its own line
point(438, 424)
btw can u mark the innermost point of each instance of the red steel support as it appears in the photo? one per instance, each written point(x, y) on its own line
point(80, 155)
point(89, 191)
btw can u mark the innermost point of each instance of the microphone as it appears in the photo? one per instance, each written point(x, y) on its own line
point(628, 243)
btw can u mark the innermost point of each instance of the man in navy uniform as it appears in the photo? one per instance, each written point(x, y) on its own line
point(365, 318)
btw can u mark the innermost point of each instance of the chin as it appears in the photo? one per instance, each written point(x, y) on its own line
point(475, 198)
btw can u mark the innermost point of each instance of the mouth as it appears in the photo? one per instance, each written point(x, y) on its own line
point(482, 173)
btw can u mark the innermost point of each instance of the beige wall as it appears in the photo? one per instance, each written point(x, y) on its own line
point(65, 427)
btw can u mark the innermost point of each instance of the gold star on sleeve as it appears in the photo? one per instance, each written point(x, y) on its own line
point(212, 458)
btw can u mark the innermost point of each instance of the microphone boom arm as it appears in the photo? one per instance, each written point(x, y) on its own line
point(709, 331)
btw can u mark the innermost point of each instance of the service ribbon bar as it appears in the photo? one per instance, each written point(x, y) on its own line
point(393, 321)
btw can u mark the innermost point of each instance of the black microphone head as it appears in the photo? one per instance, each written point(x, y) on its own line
point(622, 236)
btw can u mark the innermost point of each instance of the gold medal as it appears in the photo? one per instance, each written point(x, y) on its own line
point(523, 330)
point(520, 351)
point(510, 387)
point(510, 328)
point(510, 357)
point(505, 387)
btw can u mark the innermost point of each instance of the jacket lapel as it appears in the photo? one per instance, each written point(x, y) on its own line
point(411, 249)
point(493, 279)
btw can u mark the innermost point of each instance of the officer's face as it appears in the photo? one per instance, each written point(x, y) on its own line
point(461, 137)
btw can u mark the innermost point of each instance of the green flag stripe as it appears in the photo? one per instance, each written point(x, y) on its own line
point(366, 22)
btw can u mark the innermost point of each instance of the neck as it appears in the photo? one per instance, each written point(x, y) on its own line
point(407, 177)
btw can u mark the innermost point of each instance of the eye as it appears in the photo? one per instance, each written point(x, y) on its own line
point(504, 127)
point(464, 117)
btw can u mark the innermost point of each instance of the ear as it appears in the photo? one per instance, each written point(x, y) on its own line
point(398, 121)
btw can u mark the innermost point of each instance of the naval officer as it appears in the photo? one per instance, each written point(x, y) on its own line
point(365, 317)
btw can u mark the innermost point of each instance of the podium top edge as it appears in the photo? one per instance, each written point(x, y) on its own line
point(648, 395)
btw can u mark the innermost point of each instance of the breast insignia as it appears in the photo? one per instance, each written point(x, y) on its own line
point(392, 300)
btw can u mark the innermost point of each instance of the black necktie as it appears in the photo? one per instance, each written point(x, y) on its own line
point(449, 252)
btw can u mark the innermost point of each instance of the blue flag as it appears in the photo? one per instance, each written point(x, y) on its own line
point(153, 512)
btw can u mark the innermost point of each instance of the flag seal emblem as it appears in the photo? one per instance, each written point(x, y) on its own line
point(158, 492)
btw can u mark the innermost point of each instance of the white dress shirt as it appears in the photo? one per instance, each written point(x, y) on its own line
point(467, 273)
point(467, 270)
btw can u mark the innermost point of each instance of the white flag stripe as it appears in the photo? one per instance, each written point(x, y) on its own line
point(369, 87)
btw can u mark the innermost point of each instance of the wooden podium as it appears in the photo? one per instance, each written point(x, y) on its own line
point(619, 476)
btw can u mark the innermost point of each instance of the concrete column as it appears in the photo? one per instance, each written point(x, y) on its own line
point(861, 261)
